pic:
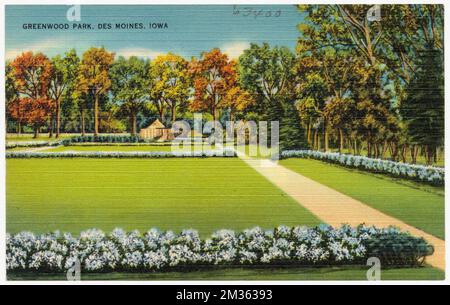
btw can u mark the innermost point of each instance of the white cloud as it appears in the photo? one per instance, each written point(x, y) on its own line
point(41, 46)
point(235, 49)
point(138, 52)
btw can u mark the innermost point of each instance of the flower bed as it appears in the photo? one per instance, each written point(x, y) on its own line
point(157, 250)
point(428, 174)
point(122, 154)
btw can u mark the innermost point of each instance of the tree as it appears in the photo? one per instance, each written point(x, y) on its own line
point(292, 136)
point(268, 75)
point(213, 76)
point(237, 99)
point(130, 86)
point(171, 82)
point(64, 72)
point(347, 49)
point(267, 72)
point(32, 111)
point(31, 74)
point(12, 95)
point(94, 76)
point(423, 110)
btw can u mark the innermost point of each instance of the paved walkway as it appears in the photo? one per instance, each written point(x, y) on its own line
point(41, 148)
point(335, 208)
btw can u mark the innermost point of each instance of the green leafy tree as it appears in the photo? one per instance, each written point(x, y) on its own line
point(130, 86)
point(423, 110)
point(268, 75)
point(64, 73)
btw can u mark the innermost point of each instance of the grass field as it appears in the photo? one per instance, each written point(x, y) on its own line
point(416, 204)
point(72, 195)
point(290, 273)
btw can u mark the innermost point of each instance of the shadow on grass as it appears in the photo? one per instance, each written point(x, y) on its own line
point(239, 273)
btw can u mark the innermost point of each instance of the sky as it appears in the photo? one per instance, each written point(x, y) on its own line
point(191, 29)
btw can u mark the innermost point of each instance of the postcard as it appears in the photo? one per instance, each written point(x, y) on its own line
point(290, 142)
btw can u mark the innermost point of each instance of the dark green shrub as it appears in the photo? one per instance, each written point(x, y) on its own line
point(103, 139)
point(398, 249)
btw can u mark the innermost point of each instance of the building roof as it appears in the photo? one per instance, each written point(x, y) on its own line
point(156, 125)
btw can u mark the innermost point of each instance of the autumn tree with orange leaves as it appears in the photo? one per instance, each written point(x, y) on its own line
point(31, 74)
point(94, 76)
point(214, 75)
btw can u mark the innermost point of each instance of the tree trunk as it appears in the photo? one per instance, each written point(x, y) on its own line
point(230, 134)
point(215, 115)
point(315, 139)
point(96, 115)
point(325, 135)
point(83, 125)
point(404, 149)
point(36, 132)
point(174, 114)
point(133, 123)
point(413, 152)
point(161, 114)
point(318, 141)
point(341, 140)
point(429, 155)
point(350, 146)
point(384, 150)
point(369, 149)
point(308, 132)
point(58, 117)
point(394, 151)
point(19, 128)
point(50, 126)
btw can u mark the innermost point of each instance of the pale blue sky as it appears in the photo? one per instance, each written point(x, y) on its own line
point(191, 29)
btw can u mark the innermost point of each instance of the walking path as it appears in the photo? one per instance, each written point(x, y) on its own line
point(41, 148)
point(335, 208)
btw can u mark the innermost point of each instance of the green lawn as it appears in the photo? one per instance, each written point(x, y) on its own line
point(19, 149)
point(72, 195)
point(416, 204)
point(290, 273)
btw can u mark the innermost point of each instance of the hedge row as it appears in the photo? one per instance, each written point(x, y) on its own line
point(124, 154)
point(428, 174)
point(158, 250)
point(103, 139)
point(30, 144)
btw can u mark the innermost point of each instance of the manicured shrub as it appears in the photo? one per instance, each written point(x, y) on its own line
point(428, 174)
point(121, 154)
point(398, 250)
point(31, 144)
point(103, 139)
point(159, 250)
